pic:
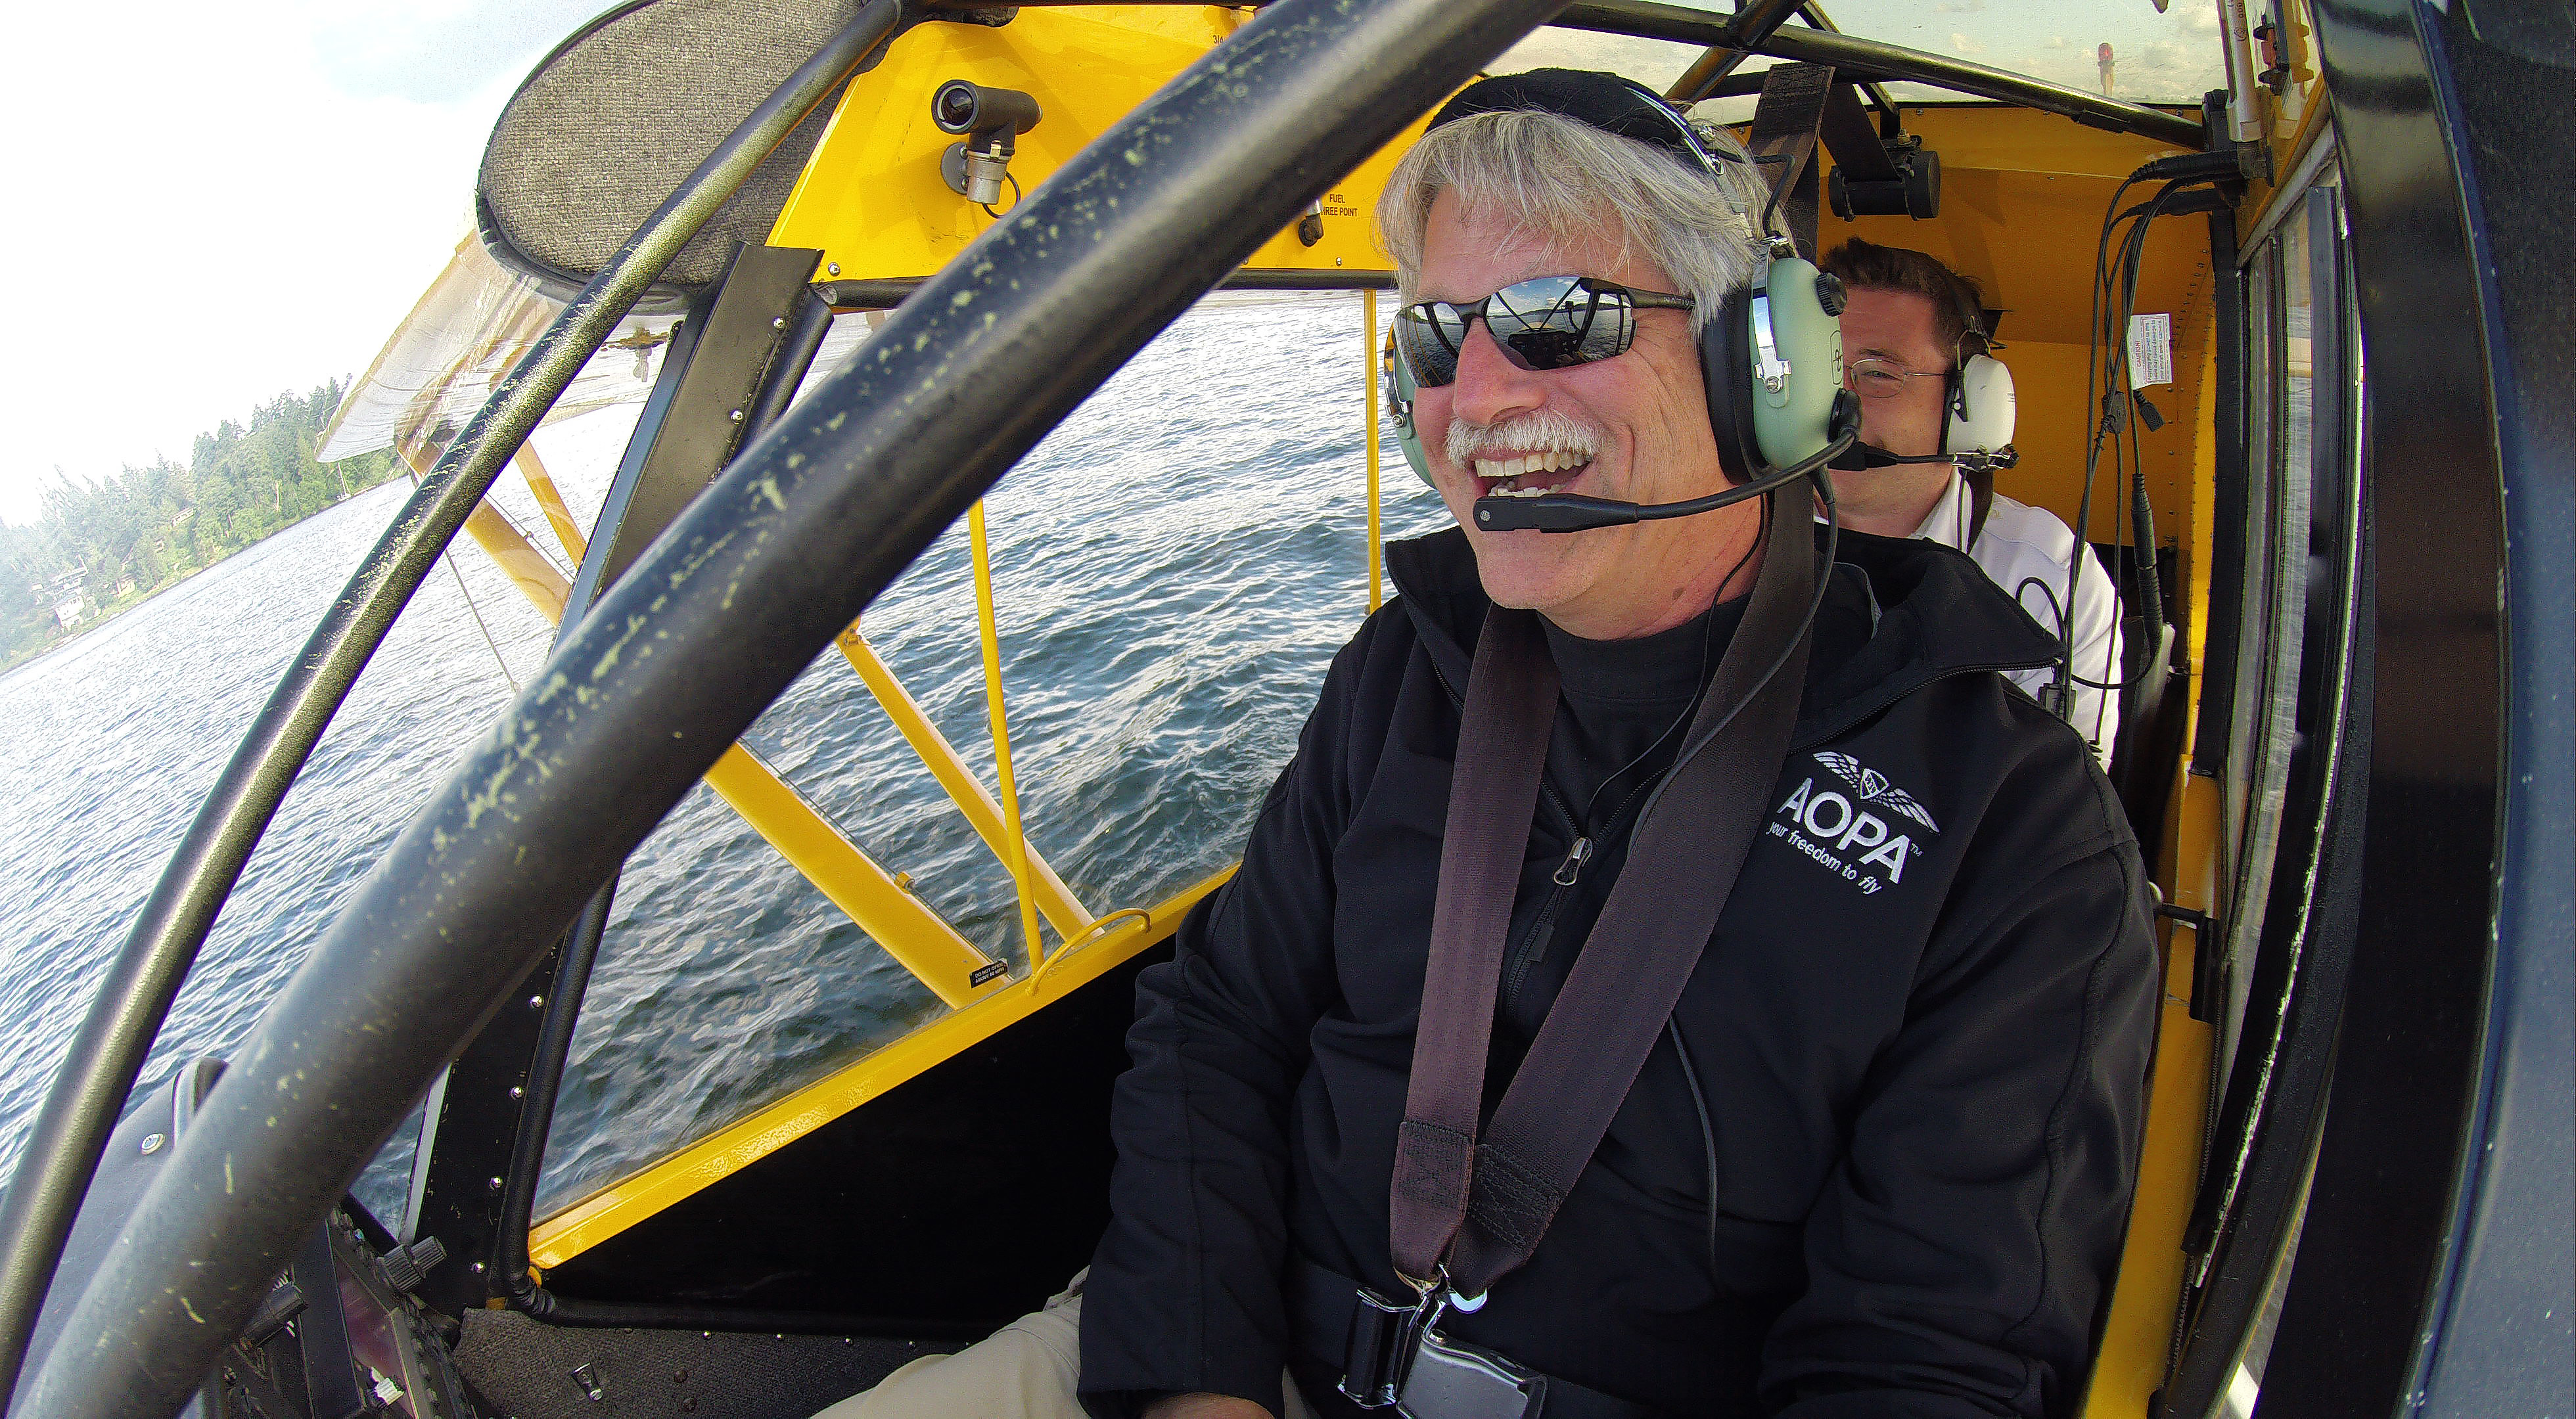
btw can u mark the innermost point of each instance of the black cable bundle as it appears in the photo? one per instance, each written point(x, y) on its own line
point(2109, 387)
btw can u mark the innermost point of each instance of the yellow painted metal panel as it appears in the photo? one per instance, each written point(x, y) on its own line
point(872, 198)
point(2003, 139)
point(2137, 1340)
point(1055, 900)
point(2199, 534)
point(2056, 418)
point(613, 1209)
point(898, 921)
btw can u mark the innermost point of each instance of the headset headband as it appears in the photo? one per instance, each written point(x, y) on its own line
point(1621, 107)
point(1969, 304)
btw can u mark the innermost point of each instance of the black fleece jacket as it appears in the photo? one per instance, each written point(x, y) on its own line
point(1921, 1029)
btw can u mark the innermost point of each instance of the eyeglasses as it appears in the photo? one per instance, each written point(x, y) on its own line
point(1878, 378)
point(1547, 323)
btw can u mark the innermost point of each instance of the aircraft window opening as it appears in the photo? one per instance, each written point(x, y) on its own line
point(2266, 712)
point(2308, 634)
point(624, 1119)
point(2154, 57)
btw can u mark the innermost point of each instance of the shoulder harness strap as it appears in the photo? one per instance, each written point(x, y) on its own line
point(1471, 1211)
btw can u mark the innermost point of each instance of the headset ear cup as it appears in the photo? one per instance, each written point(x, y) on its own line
point(1982, 414)
point(1400, 394)
point(1726, 368)
point(1794, 382)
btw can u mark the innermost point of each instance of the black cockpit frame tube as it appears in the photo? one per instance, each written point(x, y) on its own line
point(720, 615)
point(106, 1056)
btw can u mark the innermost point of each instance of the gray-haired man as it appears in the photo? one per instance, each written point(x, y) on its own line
point(1879, 1159)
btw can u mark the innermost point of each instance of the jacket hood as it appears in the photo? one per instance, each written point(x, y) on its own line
point(1898, 614)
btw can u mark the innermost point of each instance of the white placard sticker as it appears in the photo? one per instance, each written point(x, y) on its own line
point(2150, 350)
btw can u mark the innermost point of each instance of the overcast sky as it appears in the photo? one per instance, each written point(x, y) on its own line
point(213, 203)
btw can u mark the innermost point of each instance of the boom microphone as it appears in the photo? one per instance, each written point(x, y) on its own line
point(1865, 456)
point(1576, 512)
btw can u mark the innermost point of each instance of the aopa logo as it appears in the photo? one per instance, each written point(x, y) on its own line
point(1828, 824)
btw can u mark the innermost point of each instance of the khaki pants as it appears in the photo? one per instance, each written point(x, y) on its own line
point(1025, 1370)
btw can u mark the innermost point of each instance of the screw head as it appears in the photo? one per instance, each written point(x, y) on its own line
point(734, 414)
point(152, 1142)
point(492, 1183)
point(536, 1002)
point(476, 1267)
point(778, 322)
point(518, 1093)
point(833, 267)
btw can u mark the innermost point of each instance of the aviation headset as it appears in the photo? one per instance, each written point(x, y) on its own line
point(1980, 425)
point(1771, 359)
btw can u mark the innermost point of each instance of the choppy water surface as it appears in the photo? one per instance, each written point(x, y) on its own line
point(1174, 567)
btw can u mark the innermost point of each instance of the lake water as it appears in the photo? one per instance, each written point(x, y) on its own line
point(1174, 568)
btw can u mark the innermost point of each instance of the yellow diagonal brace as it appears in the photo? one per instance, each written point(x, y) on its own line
point(541, 485)
point(523, 564)
point(1016, 838)
point(1055, 900)
point(909, 931)
point(898, 921)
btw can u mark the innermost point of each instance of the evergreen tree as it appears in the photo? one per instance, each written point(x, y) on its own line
point(129, 536)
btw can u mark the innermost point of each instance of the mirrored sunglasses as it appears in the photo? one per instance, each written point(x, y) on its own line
point(1546, 323)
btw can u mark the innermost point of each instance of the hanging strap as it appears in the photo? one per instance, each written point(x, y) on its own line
point(1981, 500)
point(1493, 794)
point(1783, 142)
point(1476, 1210)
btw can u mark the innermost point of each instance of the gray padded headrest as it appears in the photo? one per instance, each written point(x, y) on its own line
point(610, 123)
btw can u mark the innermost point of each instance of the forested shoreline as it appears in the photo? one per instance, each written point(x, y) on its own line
point(98, 549)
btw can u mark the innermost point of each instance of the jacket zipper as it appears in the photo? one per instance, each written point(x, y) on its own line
point(1533, 943)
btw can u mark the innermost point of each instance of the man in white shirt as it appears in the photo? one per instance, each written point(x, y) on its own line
point(1913, 340)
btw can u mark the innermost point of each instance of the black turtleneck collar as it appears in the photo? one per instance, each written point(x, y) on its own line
point(1625, 709)
point(1898, 613)
point(1657, 669)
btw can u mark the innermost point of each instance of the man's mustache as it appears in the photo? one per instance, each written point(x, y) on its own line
point(1540, 430)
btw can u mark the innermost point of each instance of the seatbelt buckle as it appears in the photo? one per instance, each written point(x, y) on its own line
point(1375, 1348)
point(1450, 1379)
